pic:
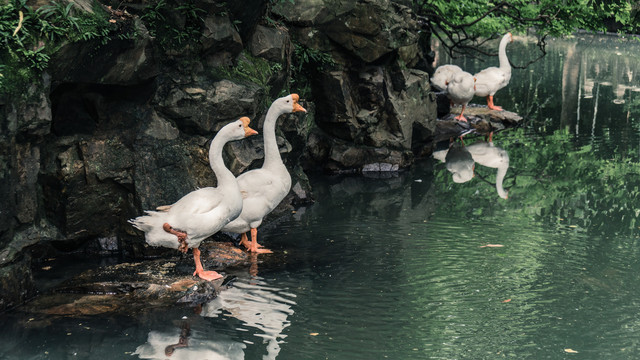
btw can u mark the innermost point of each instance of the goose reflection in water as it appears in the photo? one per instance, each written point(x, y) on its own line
point(185, 344)
point(257, 306)
point(460, 161)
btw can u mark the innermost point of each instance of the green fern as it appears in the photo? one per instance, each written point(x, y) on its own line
point(28, 37)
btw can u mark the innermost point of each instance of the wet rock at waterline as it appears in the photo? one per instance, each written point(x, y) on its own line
point(135, 286)
point(481, 120)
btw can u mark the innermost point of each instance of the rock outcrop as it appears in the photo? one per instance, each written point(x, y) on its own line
point(133, 286)
point(375, 106)
point(115, 127)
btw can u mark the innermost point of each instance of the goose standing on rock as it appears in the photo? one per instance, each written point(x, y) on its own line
point(492, 79)
point(442, 75)
point(460, 90)
point(203, 212)
point(264, 188)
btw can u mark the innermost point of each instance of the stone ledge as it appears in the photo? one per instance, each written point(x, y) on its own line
point(137, 286)
point(481, 120)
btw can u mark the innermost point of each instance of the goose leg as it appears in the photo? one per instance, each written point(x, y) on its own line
point(489, 137)
point(182, 237)
point(244, 241)
point(255, 247)
point(490, 104)
point(200, 271)
point(461, 117)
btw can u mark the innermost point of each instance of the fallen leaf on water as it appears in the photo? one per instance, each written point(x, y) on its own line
point(570, 351)
point(492, 245)
point(314, 334)
point(506, 301)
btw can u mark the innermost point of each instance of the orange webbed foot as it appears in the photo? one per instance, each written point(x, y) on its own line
point(200, 271)
point(461, 118)
point(244, 241)
point(254, 246)
point(491, 105)
point(208, 275)
point(257, 250)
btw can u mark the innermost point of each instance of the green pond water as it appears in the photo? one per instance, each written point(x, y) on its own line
point(398, 267)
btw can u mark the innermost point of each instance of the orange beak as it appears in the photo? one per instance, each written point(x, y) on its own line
point(297, 107)
point(247, 130)
point(510, 37)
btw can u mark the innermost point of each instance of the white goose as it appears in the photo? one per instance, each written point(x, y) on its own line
point(442, 75)
point(263, 189)
point(460, 90)
point(492, 79)
point(203, 212)
point(487, 154)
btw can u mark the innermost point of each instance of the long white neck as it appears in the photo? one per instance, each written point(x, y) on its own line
point(502, 171)
point(502, 53)
point(271, 152)
point(224, 175)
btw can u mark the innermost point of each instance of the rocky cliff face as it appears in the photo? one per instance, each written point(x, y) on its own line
point(113, 129)
point(376, 102)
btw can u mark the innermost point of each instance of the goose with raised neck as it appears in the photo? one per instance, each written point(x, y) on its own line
point(492, 79)
point(200, 213)
point(264, 188)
